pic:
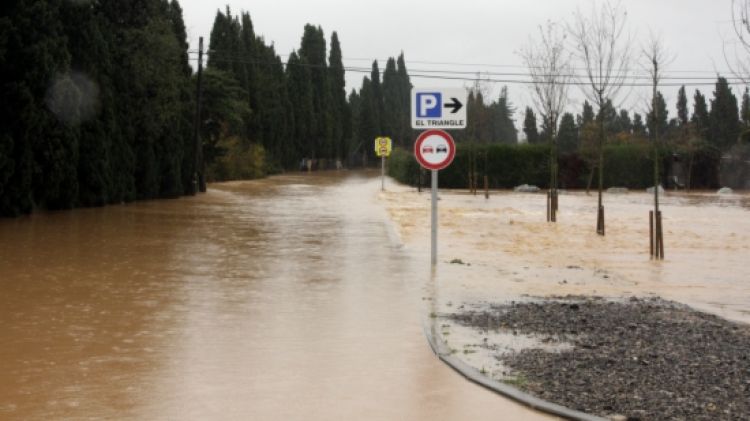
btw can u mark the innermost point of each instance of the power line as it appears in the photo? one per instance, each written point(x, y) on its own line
point(639, 73)
point(499, 78)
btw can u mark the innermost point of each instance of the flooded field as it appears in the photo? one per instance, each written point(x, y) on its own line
point(288, 298)
point(509, 250)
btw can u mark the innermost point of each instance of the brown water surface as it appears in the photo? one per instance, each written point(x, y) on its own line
point(512, 251)
point(287, 298)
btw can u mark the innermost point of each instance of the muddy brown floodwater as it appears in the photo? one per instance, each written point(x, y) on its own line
point(503, 250)
point(287, 298)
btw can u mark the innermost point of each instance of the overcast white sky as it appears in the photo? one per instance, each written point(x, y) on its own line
point(474, 32)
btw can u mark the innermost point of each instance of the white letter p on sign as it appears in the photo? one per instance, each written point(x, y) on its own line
point(427, 103)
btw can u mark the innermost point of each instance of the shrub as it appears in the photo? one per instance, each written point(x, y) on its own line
point(239, 162)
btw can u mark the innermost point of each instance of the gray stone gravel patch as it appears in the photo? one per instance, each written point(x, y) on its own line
point(640, 359)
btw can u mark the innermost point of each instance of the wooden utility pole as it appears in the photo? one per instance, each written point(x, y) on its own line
point(199, 176)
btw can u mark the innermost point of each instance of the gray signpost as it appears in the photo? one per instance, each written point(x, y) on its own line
point(434, 150)
point(432, 110)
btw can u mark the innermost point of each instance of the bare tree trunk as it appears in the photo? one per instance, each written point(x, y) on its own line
point(591, 180)
point(689, 178)
point(600, 213)
point(604, 50)
point(656, 55)
point(549, 67)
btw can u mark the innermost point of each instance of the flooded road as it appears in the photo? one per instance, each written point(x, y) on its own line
point(287, 298)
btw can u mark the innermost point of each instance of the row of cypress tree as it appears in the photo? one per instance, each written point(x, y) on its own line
point(720, 122)
point(299, 109)
point(97, 103)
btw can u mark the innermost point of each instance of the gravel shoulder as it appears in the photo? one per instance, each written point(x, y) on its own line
point(638, 359)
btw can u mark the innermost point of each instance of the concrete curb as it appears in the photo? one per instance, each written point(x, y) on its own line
point(473, 375)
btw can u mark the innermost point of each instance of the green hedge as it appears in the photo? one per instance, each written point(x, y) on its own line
point(507, 166)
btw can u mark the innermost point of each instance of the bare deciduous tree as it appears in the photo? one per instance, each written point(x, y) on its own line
point(548, 63)
point(657, 57)
point(739, 64)
point(739, 59)
point(603, 47)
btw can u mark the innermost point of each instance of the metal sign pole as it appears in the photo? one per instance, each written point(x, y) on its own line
point(382, 172)
point(434, 216)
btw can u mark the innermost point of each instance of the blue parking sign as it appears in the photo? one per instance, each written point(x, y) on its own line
point(438, 108)
point(429, 105)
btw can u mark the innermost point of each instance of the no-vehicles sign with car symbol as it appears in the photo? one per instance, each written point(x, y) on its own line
point(435, 149)
point(438, 108)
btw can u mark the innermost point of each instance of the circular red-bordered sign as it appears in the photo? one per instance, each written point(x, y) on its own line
point(435, 149)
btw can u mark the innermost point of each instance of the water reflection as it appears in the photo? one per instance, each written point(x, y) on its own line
point(279, 299)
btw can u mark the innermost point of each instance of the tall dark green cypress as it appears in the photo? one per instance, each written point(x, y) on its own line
point(610, 116)
point(299, 85)
point(724, 116)
point(187, 101)
point(639, 127)
point(39, 150)
point(567, 135)
point(503, 125)
point(89, 83)
point(369, 121)
point(377, 98)
point(392, 111)
point(92, 64)
point(149, 81)
point(624, 123)
point(272, 111)
point(224, 46)
point(313, 53)
point(406, 134)
point(530, 127)
point(661, 124)
point(700, 117)
point(249, 54)
point(587, 115)
point(745, 109)
point(682, 107)
point(338, 106)
point(174, 148)
point(355, 104)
